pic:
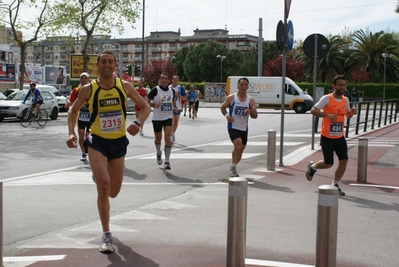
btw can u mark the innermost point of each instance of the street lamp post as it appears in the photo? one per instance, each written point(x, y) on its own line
point(384, 55)
point(221, 66)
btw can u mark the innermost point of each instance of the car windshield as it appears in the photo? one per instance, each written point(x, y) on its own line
point(56, 92)
point(16, 96)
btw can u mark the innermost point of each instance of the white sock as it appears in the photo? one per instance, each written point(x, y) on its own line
point(312, 166)
point(335, 182)
point(104, 233)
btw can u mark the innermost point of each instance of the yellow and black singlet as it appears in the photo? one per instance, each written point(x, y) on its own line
point(108, 110)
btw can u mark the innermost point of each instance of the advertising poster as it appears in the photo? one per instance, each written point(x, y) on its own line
point(33, 73)
point(77, 66)
point(7, 73)
point(54, 75)
point(215, 92)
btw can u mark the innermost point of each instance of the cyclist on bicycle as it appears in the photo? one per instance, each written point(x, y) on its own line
point(36, 96)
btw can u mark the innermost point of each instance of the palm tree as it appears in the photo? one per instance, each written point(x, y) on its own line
point(331, 64)
point(367, 54)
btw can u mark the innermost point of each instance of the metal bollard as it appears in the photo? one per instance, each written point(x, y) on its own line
point(362, 160)
point(327, 222)
point(237, 222)
point(271, 150)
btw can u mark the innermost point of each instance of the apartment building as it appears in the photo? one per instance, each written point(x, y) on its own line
point(158, 45)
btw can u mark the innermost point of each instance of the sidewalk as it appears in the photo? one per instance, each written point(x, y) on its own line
point(382, 163)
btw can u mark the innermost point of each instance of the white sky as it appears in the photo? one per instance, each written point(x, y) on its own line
point(242, 16)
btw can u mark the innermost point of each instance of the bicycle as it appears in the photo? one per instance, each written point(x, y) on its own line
point(27, 117)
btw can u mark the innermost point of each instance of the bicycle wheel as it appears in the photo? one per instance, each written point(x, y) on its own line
point(42, 118)
point(26, 118)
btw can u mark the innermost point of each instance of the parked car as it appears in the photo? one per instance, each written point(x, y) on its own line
point(9, 91)
point(2, 96)
point(62, 100)
point(12, 106)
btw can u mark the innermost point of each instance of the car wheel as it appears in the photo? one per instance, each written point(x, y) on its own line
point(299, 108)
point(54, 114)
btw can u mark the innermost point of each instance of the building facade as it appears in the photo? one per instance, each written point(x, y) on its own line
point(158, 45)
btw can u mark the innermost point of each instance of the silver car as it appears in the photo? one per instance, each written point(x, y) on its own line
point(62, 100)
point(12, 106)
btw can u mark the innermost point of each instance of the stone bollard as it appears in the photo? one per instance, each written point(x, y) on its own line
point(362, 160)
point(271, 150)
point(327, 224)
point(237, 222)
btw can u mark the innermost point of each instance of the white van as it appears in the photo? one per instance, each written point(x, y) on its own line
point(267, 93)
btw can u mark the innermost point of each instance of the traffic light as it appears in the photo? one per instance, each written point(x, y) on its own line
point(129, 70)
point(136, 70)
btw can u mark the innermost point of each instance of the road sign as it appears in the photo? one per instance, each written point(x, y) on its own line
point(323, 46)
point(280, 35)
point(290, 35)
point(287, 7)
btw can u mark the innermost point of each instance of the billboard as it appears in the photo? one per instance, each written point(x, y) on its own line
point(33, 73)
point(7, 73)
point(54, 75)
point(215, 92)
point(77, 66)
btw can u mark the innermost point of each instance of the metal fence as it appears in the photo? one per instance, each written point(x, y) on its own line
point(375, 113)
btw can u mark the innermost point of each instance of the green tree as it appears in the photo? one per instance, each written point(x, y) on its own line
point(11, 13)
point(93, 17)
point(331, 64)
point(209, 63)
point(368, 50)
point(191, 66)
point(179, 60)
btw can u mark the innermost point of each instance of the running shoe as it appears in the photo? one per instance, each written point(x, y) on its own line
point(106, 244)
point(184, 114)
point(84, 157)
point(172, 138)
point(167, 166)
point(340, 192)
point(141, 132)
point(310, 172)
point(159, 159)
point(233, 172)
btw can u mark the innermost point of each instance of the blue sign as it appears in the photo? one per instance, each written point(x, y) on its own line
point(290, 35)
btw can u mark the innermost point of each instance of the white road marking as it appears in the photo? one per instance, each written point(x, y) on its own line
point(274, 263)
point(33, 259)
point(205, 156)
point(377, 186)
point(83, 178)
point(252, 143)
point(167, 205)
point(266, 170)
point(373, 144)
